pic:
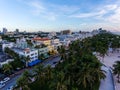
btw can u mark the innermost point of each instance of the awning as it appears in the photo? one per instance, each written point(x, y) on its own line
point(34, 62)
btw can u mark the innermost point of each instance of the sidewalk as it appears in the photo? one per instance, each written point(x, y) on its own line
point(107, 83)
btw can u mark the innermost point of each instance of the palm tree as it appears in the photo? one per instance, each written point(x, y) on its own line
point(60, 83)
point(61, 51)
point(90, 72)
point(22, 83)
point(97, 72)
point(7, 68)
point(39, 71)
point(41, 56)
point(48, 72)
point(85, 79)
point(103, 51)
point(26, 59)
point(29, 42)
point(24, 80)
point(27, 74)
point(61, 86)
point(116, 70)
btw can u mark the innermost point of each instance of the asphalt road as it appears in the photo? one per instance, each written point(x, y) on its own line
point(13, 80)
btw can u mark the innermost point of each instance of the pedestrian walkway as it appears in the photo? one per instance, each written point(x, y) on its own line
point(107, 83)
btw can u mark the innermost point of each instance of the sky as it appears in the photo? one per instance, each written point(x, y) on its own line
point(56, 15)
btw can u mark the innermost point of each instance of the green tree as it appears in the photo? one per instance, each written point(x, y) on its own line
point(22, 83)
point(7, 68)
point(26, 59)
point(60, 83)
point(39, 71)
point(116, 70)
point(48, 72)
point(29, 42)
point(24, 80)
point(61, 51)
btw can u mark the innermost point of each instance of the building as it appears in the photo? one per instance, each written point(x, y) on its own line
point(39, 41)
point(5, 59)
point(17, 31)
point(66, 39)
point(6, 44)
point(44, 50)
point(4, 31)
point(56, 43)
point(22, 49)
point(27, 52)
point(51, 35)
point(9, 33)
point(66, 32)
point(21, 43)
point(50, 48)
point(0, 39)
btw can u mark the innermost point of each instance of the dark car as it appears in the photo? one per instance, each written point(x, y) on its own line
point(54, 62)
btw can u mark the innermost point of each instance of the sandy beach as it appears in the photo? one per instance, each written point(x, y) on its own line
point(109, 60)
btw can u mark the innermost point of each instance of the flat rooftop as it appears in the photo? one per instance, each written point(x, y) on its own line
point(4, 57)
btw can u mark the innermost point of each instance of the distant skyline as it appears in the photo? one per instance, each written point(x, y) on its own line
point(53, 15)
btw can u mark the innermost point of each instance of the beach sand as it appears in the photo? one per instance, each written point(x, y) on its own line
point(109, 60)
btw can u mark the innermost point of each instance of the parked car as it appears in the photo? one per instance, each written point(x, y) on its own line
point(10, 88)
point(54, 62)
point(6, 79)
point(2, 84)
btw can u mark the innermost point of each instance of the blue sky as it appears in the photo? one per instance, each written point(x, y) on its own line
point(56, 15)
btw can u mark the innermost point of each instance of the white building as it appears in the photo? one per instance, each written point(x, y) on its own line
point(51, 34)
point(55, 41)
point(2, 62)
point(5, 59)
point(21, 43)
point(7, 44)
point(32, 53)
point(43, 50)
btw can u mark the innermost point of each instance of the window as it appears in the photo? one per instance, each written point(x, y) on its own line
point(32, 54)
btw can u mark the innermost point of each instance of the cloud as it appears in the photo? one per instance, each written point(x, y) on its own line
point(111, 7)
point(64, 9)
point(107, 12)
point(38, 8)
point(114, 18)
point(87, 15)
point(49, 11)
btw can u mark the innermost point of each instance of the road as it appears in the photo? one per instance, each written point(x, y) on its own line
point(107, 83)
point(13, 80)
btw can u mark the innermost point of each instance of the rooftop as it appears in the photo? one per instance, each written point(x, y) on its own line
point(4, 57)
point(40, 39)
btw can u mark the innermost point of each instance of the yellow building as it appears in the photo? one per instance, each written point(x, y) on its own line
point(50, 48)
point(44, 41)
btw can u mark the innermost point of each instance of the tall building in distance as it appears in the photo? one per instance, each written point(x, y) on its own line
point(17, 31)
point(66, 32)
point(4, 31)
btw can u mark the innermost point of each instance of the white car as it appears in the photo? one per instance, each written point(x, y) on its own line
point(10, 88)
point(1, 82)
point(2, 85)
point(6, 79)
